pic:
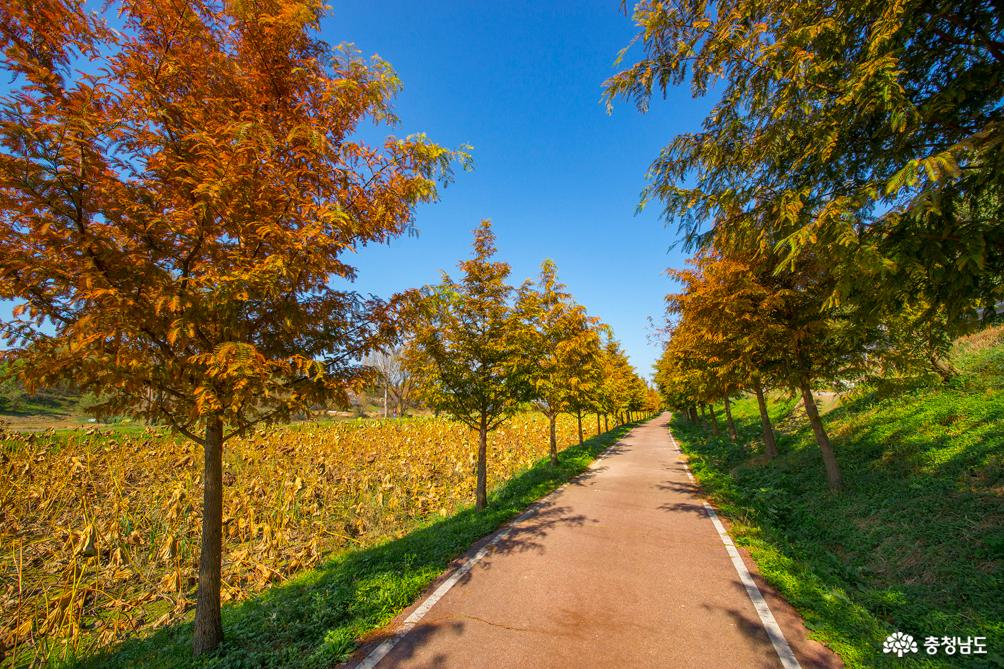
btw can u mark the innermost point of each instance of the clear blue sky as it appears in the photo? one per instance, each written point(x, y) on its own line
point(558, 176)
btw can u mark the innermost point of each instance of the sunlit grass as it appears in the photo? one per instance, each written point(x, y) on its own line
point(914, 543)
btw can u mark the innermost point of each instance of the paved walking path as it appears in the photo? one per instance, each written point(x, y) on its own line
point(622, 567)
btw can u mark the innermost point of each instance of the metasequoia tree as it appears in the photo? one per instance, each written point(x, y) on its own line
point(636, 395)
point(563, 346)
point(468, 348)
point(778, 327)
point(618, 377)
point(869, 132)
point(172, 217)
point(586, 383)
point(817, 343)
point(726, 321)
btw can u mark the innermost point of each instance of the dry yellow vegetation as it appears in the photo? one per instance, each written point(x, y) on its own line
point(99, 532)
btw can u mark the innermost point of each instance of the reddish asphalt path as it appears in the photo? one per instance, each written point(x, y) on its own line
point(622, 567)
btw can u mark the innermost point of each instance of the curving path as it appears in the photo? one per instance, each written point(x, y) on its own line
point(624, 566)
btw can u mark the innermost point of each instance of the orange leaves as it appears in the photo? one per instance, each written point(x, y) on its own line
point(563, 343)
point(176, 217)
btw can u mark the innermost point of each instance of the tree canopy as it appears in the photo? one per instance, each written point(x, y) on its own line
point(178, 187)
point(871, 132)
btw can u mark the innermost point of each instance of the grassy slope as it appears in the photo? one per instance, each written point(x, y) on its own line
point(315, 618)
point(916, 540)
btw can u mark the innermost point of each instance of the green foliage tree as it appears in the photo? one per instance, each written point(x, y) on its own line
point(468, 348)
point(868, 132)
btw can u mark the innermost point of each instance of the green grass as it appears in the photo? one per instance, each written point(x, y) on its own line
point(316, 618)
point(915, 541)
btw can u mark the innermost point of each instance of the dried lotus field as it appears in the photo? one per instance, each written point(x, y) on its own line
point(99, 531)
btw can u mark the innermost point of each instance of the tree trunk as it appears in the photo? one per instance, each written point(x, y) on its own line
point(728, 418)
point(945, 371)
point(770, 445)
point(578, 417)
point(704, 414)
point(553, 439)
point(208, 630)
point(829, 459)
point(481, 500)
point(598, 425)
point(714, 420)
point(606, 423)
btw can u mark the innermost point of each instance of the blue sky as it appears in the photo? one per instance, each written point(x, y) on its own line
point(558, 176)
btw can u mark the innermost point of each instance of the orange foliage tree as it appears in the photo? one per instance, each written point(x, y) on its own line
point(176, 196)
point(742, 324)
point(565, 348)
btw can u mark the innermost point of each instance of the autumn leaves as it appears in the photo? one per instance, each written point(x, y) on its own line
point(739, 327)
point(480, 350)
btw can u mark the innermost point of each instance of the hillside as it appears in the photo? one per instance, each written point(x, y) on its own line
point(914, 543)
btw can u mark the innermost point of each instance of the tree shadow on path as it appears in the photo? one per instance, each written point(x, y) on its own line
point(315, 618)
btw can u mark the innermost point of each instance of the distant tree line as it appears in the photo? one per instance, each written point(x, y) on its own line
point(480, 349)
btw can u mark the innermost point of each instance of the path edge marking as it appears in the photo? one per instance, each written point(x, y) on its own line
point(774, 632)
point(380, 652)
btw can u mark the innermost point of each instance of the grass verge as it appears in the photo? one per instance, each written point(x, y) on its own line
point(315, 618)
point(914, 543)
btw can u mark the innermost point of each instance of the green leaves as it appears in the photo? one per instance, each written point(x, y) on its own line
point(839, 126)
point(466, 349)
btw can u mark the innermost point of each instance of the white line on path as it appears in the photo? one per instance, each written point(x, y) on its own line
point(784, 653)
point(378, 653)
point(381, 651)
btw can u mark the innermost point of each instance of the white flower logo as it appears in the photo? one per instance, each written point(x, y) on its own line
point(899, 643)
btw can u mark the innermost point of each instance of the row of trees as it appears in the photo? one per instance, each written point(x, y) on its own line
point(844, 195)
point(180, 186)
point(480, 349)
point(740, 327)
